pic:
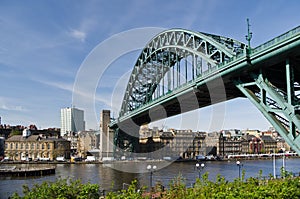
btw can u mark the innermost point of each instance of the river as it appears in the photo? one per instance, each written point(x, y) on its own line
point(114, 176)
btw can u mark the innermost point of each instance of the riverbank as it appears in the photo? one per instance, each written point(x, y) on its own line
point(228, 158)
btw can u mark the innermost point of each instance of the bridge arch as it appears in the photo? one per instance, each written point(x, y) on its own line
point(162, 64)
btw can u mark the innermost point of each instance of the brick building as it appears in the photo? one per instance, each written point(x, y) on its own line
point(87, 141)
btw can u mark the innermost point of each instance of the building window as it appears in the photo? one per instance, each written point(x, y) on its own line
point(32, 145)
point(11, 145)
point(37, 145)
point(43, 146)
point(16, 145)
point(48, 146)
point(22, 146)
point(6, 146)
point(27, 146)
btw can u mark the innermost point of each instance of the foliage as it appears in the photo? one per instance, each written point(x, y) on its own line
point(239, 188)
point(284, 173)
point(287, 187)
point(61, 189)
point(131, 192)
point(15, 132)
point(177, 188)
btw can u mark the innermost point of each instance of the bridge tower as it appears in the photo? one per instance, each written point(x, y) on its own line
point(106, 136)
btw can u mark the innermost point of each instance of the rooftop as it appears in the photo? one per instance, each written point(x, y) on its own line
point(20, 138)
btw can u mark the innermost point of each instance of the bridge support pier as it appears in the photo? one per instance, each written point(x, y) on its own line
point(277, 105)
point(125, 144)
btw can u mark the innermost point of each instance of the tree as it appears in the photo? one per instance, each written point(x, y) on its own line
point(15, 132)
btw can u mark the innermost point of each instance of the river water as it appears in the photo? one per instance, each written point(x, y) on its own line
point(114, 176)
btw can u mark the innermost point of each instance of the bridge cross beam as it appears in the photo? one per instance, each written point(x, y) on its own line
point(278, 107)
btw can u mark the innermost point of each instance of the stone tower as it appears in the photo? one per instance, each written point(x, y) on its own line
point(106, 136)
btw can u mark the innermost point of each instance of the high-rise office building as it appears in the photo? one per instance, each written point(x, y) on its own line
point(72, 120)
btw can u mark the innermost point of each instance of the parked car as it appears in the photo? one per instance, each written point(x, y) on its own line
point(78, 159)
point(6, 159)
point(60, 159)
point(44, 159)
point(90, 159)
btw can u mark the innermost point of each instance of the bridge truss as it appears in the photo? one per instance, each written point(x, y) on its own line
point(277, 100)
point(171, 59)
point(177, 59)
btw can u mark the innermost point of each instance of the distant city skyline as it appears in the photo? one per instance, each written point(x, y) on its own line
point(44, 44)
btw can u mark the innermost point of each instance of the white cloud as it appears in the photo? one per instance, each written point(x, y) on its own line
point(60, 85)
point(69, 87)
point(5, 105)
point(77, 34)
point(12, 108)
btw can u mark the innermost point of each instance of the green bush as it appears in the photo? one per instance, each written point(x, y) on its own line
point(61, 189)
point(131, 192)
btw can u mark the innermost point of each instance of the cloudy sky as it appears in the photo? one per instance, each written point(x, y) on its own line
point(44, 46)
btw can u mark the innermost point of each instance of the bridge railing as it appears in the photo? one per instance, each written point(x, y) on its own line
point(164, 96)
point(231, 59)
point(266, 45)
point(277, 40)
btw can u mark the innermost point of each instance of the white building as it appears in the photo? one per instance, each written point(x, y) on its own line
point(72, 120)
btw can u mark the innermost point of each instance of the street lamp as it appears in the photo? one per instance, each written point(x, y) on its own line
point(151, 169)
point(238, 163)
point(125, 184)
point(200, 167)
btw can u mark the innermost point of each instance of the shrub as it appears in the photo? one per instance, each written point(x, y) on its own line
point(61, 189)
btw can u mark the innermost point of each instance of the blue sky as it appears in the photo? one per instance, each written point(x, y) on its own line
point(44, 43)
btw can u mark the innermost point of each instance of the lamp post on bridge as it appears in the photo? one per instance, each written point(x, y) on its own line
point(238, 163)
point(248, 37)
point(200, 167)
point(151, 169)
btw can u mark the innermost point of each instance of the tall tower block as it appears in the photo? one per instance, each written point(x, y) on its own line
point(72, 120)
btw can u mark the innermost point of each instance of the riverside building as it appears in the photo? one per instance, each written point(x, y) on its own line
point(36, 147)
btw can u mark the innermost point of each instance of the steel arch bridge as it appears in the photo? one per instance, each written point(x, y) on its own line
point(158, 69)
point(178, 70)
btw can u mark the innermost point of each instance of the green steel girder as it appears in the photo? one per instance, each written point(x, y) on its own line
point(164, 52)
point(278, 107)
point(117, 140)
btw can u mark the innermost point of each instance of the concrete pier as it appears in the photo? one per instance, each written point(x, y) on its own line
point(24, 172)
